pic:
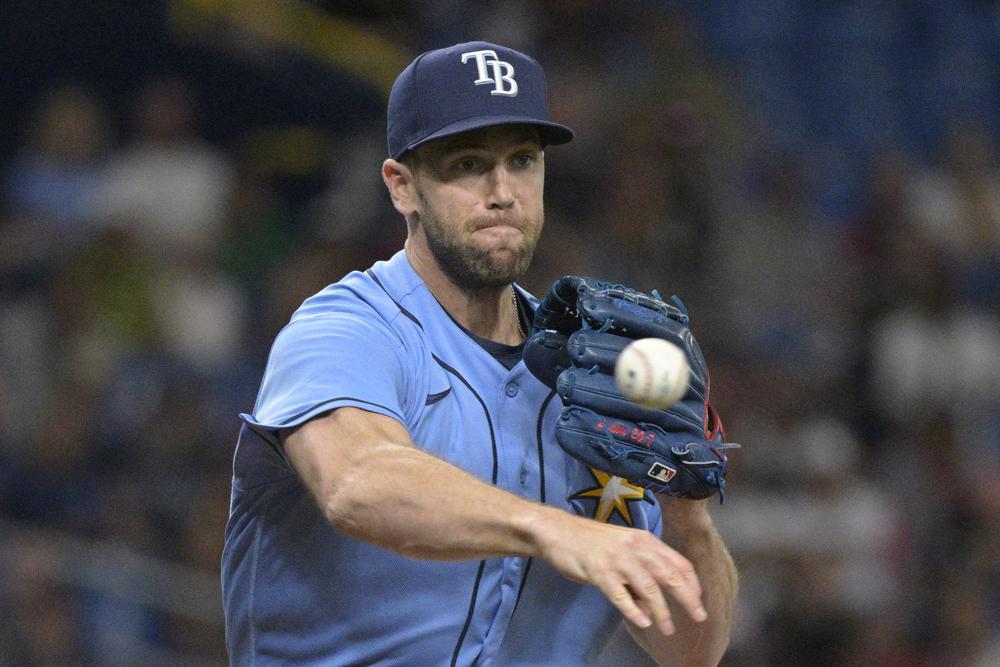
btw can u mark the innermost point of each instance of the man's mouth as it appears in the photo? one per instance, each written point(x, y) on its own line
point(501, 224)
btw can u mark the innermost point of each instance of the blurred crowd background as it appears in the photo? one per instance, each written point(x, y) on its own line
point(818, 180)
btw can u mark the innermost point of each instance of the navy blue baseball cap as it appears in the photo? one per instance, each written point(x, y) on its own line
point(466, 87)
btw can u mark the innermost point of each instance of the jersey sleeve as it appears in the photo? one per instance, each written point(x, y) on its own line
point(329, 361)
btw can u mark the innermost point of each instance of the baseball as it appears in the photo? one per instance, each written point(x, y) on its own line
point(652, 372)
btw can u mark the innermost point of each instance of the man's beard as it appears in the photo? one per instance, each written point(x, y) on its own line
point(473, 268)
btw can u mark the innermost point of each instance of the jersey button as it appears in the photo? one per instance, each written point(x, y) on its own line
point(523, 476)
point(512, 389)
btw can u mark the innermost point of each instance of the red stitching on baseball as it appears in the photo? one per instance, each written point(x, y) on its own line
point(648, 394)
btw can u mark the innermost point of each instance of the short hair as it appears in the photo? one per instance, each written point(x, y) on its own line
point(410, 159)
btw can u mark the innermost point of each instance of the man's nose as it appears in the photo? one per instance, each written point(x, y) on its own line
point(500, 196)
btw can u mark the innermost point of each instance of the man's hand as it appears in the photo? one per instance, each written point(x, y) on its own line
point(631, 567)
point(688, 526)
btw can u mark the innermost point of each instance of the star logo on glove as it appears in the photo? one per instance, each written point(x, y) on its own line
point(612, 494)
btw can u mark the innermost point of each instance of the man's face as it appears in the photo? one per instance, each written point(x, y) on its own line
point(480, 203)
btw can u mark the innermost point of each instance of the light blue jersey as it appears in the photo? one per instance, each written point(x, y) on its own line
point(299, 592)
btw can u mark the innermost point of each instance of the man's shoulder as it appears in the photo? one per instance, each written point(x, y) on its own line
point(361, 305)
point(354, 293)
point(357, 293)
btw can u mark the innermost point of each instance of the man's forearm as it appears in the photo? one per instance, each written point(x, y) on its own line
point(688, 528)
point(391, 494)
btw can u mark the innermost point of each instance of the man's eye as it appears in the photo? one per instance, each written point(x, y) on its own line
point(524, 160)
point(467, 165)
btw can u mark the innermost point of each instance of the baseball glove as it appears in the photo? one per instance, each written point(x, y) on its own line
point(580, 328)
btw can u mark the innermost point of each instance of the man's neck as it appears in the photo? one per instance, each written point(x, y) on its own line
point(488, 312)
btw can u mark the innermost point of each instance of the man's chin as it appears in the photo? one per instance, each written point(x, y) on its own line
point(484, 262)
point(494, 271)
point(509, 263)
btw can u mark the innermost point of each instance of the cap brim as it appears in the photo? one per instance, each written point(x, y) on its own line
point(551, 134)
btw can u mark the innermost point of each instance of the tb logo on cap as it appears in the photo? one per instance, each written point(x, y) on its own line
point(502, 72)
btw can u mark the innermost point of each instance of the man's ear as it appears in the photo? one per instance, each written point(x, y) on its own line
point(399, 180)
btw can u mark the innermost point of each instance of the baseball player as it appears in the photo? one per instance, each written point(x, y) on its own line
point(407, 491)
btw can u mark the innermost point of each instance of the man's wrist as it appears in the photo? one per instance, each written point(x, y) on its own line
point(533, 523)
point(685, 514)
